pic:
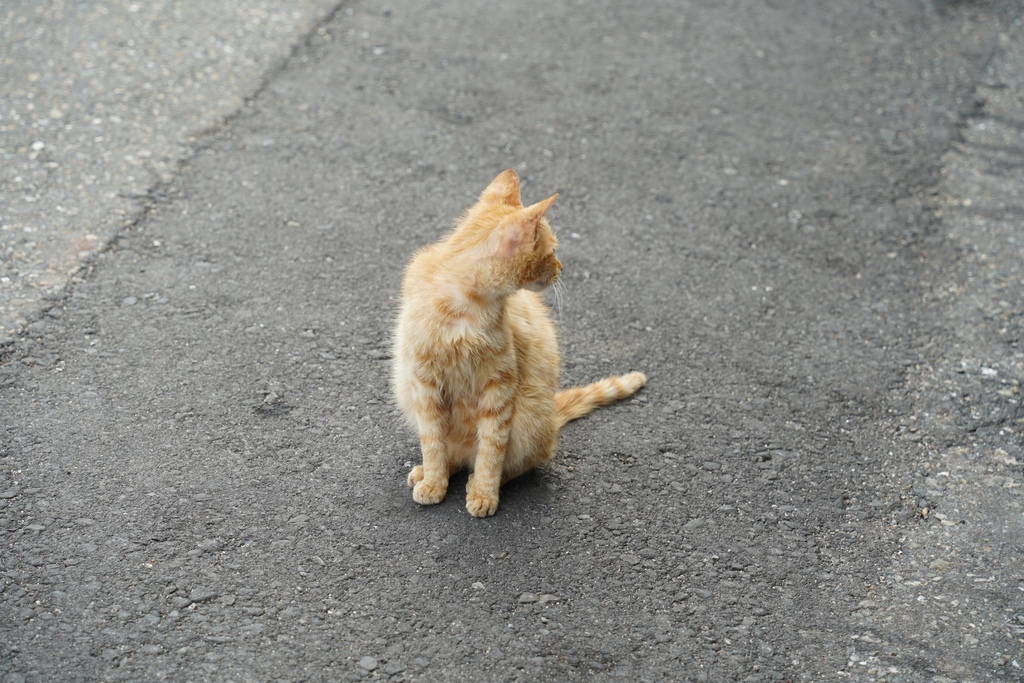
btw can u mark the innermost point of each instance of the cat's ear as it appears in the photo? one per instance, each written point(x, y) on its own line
point(504, 189)
point(540, 208)
point(521, 228)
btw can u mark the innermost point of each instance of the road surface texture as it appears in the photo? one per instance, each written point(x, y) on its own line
point(800, 219)
point(99, 104)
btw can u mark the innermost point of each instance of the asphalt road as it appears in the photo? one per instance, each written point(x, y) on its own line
point(800, 219)
point(100, 102)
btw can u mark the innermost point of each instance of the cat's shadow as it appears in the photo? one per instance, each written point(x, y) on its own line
point(529, 491)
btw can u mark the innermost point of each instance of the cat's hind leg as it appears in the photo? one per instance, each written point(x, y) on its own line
point(415, 476)
point(531, 444)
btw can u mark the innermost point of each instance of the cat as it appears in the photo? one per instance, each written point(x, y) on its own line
point(476, 362)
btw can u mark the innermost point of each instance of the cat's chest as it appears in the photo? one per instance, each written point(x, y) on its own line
point(461, 331)
point(463, 364)
point(470, 353)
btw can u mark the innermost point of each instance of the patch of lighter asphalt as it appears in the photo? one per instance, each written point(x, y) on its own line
point(100, 103)
point(951, 607)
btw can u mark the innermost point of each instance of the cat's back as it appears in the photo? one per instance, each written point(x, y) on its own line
point(528, 314)
point(424, 293)
point(421, 272)
point(535, 339)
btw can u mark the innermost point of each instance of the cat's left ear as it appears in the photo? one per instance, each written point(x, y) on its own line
point(504, 189)
point(521, 228)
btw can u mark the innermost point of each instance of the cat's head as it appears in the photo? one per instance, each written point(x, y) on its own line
point(516, 241)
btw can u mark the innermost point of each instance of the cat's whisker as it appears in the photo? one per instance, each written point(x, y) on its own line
point(559, 292)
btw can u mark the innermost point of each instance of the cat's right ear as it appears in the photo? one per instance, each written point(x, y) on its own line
point(504, 189)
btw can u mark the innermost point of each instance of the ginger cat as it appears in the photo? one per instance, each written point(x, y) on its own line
point(476, 359)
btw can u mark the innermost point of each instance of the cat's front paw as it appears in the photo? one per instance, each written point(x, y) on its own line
point(481, 504)
point(428, 492)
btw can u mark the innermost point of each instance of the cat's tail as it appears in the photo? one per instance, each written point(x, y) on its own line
point(578, 401)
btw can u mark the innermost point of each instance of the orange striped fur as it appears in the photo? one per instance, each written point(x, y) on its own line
point(578, 401)
point(476, 359)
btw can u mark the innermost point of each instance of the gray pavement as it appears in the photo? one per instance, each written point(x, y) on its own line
point(99, 104)
point(799, 219)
